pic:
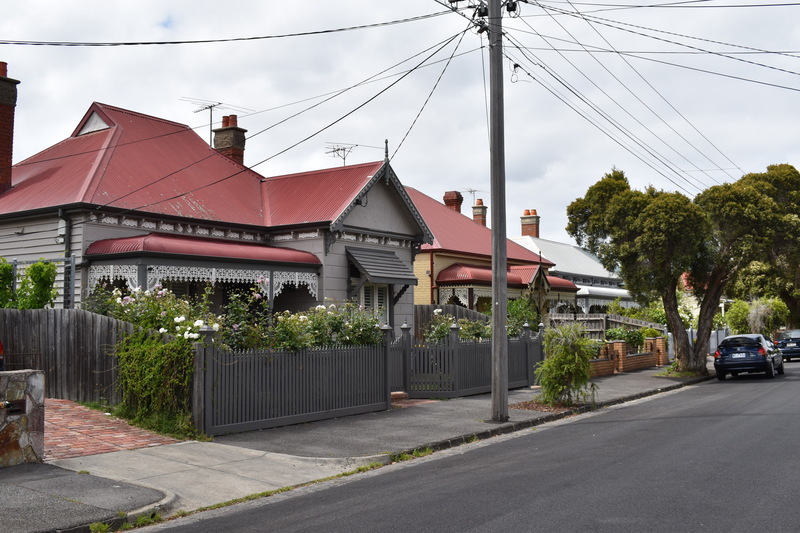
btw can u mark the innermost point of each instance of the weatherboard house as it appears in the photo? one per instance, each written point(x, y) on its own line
point(134, 200)
point(456, 268)
point(597, 286)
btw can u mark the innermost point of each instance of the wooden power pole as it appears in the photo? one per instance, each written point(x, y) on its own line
point(498, 193)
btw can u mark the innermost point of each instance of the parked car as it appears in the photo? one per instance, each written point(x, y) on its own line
point(789, 343)
point(737, 354)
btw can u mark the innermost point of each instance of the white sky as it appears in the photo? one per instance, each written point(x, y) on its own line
point(696, 128)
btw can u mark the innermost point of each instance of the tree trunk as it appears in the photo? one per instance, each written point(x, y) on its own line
point(680, 338)
point(705, 323)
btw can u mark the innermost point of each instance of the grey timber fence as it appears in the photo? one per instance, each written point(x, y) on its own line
point(424, 313)
point(73, 347)
point(237, 391)
point(457, 368)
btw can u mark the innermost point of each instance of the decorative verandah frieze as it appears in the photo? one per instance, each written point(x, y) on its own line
point(462, 292)
point(276, 280)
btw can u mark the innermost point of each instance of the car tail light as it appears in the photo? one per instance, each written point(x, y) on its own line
point(717, 354)
point(1, 348)
point(762, 350)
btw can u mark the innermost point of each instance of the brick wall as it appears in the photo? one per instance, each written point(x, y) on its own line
point(613, 357)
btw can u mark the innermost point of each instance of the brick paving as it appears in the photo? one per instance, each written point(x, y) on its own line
point(72, 430)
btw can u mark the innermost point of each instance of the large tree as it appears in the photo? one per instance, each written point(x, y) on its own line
point(658, 239)
point(778, 273)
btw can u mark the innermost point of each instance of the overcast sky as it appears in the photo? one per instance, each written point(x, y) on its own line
point(678, 95)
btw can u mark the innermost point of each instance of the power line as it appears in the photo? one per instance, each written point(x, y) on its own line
point(210, 41)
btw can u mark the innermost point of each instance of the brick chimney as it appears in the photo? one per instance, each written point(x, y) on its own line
point(8, 101)
point(530, 223)
point(479, 212)
point(453, 200)
point(229, 139)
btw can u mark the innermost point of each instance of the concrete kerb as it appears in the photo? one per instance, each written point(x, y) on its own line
point(512, 427)
point(163, 507)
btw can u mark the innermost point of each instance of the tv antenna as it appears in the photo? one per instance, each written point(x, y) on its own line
point(209, 105)
point(472, 192)
point(342, 150)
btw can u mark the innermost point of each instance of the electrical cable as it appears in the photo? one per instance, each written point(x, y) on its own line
point(609, 119)
point(681, 115)
point(441, 45)
point(624, 109)
point(430, 94)
point(211, 41)
point(593, 122)
point(649, 108)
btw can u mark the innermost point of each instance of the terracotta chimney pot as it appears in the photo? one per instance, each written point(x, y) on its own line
point(479, 212)
point(530, 223)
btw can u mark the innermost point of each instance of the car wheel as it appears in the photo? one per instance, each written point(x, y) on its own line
point(780, 369)
point(770, 369)
point(720, 375)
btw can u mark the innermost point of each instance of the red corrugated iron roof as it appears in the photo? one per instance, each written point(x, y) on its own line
point(455, 232)
point(561, 284)
point(460, 273)
point(141, 163)
point(158, 243)
point(318, 196)
point(517, 275)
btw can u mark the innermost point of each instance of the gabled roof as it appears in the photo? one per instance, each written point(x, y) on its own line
point(454, 232)
point(327, 196)
point(569, 259)
point(121, 159)
point(318, 196)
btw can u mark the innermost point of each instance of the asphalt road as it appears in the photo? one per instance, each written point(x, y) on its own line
point(719, 456)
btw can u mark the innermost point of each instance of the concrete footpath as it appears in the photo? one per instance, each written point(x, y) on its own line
point(69, 494)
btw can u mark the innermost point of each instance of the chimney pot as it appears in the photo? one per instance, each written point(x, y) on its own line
point(229, 140)
point(530, 223)
point(453, 200)
point(479, 212)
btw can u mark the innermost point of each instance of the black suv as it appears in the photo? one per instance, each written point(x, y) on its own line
point(789, 343)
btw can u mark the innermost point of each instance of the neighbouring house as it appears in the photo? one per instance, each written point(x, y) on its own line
point(597, 287)
point(456, 268)
point(138, 201)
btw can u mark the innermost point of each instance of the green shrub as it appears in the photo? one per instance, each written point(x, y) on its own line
point(438, 329)
point(565, 372)
point(633, 337)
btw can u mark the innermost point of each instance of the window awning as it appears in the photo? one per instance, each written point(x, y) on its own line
point(381, 266)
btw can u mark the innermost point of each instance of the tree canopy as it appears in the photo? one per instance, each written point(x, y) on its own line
point(659, 240)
